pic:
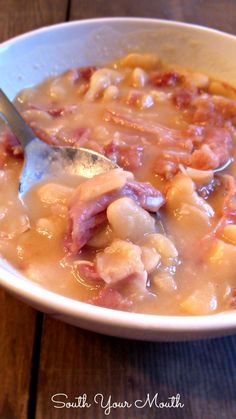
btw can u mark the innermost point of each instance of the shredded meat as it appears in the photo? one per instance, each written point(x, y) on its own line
point(199, 147)
point(214, 151)
point(184, 96)
point(127, 156)
point(167, 136)
point(215, 111)
point(87, 213)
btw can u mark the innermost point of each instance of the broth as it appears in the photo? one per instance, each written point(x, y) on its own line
point(161, 240)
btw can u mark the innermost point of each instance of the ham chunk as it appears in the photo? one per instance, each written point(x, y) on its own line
point(88, 205)
point(129, 156)
point(165, 78)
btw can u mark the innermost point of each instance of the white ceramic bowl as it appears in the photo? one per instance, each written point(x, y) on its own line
point(29, 58)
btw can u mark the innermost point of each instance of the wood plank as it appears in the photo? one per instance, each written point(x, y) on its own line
point(18, 16)
point(76, 362)
point(216, 14)
point(17, 329)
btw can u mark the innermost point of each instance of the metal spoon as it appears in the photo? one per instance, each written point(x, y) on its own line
point(44, 161)
point(223, 166)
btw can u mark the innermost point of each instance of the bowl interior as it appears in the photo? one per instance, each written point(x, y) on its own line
point(28, 59)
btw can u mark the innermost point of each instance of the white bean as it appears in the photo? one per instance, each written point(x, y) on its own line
point(101, 239)
point(45, 227)
point(53, 193)
point(221, 89)
point(150, 258)
point(199, 80)
point(145, 61)
point(202, 301)
point(129, 221)
point(222, 259)
point(229, 233)
point(119, 261)
point(162, 244)
point(57, 90)
point(111, 93)
point(182, 190)
point(163, 281)
point(139, 77)
point(202, 177)
point(100, 80)
point(192, 217)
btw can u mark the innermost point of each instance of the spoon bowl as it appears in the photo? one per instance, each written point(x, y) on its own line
point(43, 161)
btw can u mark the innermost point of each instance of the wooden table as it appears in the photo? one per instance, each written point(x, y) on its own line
point(40, 357)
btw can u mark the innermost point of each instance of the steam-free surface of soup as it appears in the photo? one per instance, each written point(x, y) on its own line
point(158, 234)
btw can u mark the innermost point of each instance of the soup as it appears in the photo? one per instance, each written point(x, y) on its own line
point(155, 235)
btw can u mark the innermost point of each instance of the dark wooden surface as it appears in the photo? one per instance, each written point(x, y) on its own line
point(40, 357)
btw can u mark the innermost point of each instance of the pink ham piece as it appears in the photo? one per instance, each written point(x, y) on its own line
point(214, 151)
point(8, 144)
point(125, 155)
point(165, 78)
point(184, 96)
point(215, 111)
point(164, 135)
point(87, 207)
point(212, 148)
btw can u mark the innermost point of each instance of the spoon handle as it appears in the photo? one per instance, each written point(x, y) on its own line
point(9, 114)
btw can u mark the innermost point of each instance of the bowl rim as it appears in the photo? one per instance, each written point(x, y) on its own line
point(173, 23)
point(57, 304)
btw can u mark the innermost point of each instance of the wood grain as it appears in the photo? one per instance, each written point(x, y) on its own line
point(75, 362)
point(17, 320)
point(17, 329)
point(219, 14)
point(18, 16)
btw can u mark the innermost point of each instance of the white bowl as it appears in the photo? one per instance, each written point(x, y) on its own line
point(29, 58)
